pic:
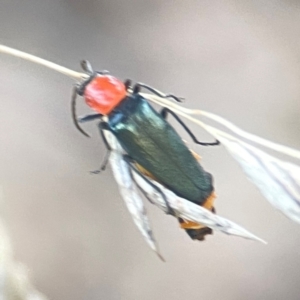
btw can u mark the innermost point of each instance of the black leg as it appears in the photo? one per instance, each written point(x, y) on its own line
point(88, 118)
point(164, 112)
point(130, 162)
point(139, 85)
point(103, 164)
point(103, 126)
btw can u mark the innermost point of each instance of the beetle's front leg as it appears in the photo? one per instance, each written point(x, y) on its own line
point(140, 85)
point(103, 126)
point(88, 118)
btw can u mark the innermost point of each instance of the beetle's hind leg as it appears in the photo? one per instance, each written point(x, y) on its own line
point(131, 163)
point(164, 113)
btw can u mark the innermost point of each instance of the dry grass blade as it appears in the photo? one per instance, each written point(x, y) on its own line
point(129, 192)
point(41, 61)
point(190, 211)
point(277, 180)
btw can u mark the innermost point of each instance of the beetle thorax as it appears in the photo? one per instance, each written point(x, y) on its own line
point(104, 93)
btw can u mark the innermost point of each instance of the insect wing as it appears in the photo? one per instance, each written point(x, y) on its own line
point(129, 191)
point(189, 210)
point(277, 180)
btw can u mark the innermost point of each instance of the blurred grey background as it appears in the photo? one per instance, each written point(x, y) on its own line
point(238, 59)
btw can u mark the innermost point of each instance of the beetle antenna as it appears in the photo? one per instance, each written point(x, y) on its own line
point(74, 114)
point(87, 67)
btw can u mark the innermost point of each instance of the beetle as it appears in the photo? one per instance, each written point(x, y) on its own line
point(151, 145)
point(147, 154)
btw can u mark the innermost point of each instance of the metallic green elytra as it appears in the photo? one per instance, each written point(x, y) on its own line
point(154, 144)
